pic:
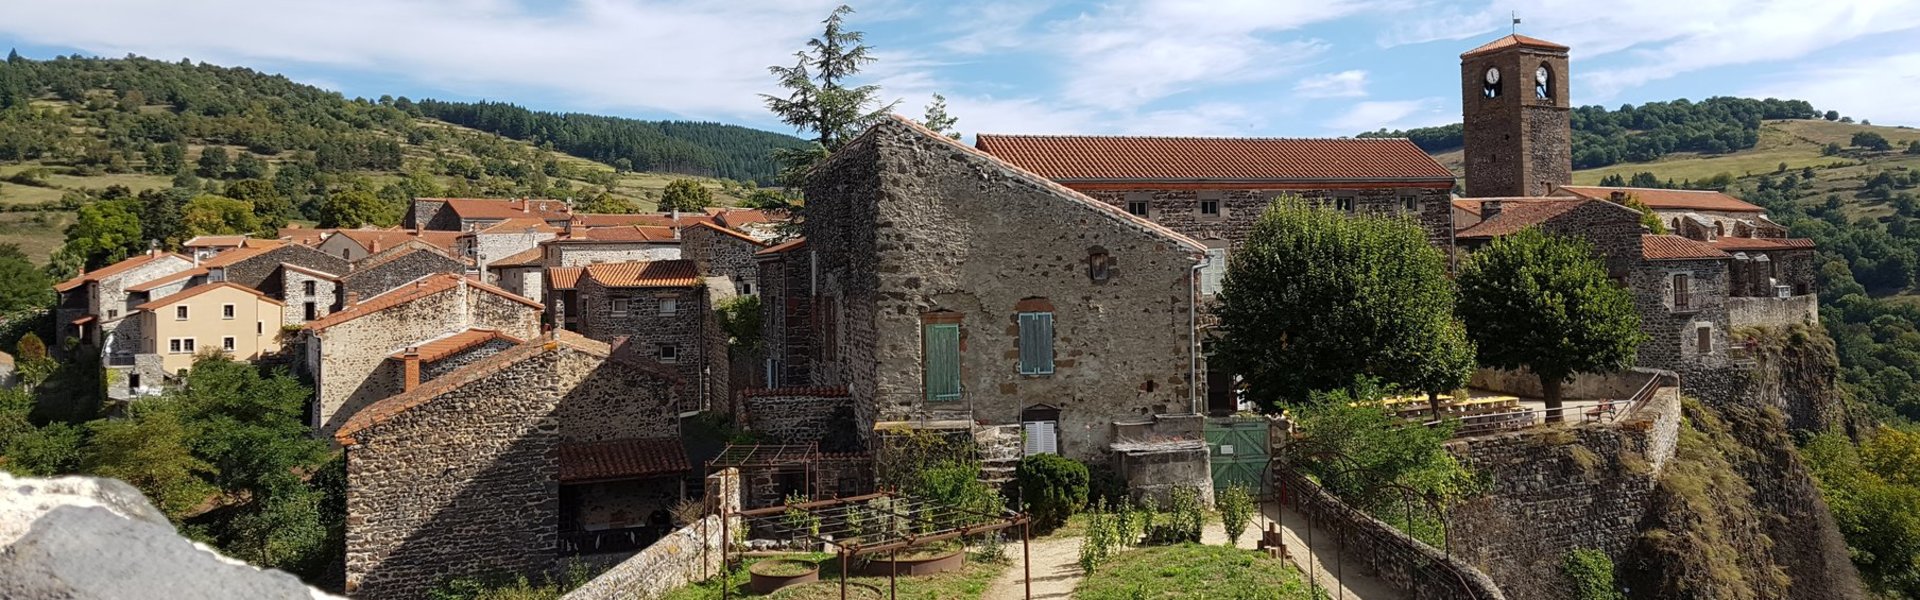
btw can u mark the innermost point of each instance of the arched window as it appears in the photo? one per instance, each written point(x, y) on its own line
point(1543, 82)
point(1099, 264)
point(1492, 87)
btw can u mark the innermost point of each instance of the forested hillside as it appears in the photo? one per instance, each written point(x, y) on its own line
point(180, 148)
point(1604, 137)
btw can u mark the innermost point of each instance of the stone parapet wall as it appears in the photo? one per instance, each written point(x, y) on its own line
point(802, 416)
point(1618, 385)
point(1773, 312)
point(692, 553)
point(1409, 565)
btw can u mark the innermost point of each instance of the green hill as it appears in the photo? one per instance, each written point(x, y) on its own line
point(77, 130)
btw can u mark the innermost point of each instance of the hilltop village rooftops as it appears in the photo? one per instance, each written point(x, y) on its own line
point(1098, 159)
point(1673, 247)
point(419, 288)
point(648, 274)
point(1664, 199)
point(123, 266)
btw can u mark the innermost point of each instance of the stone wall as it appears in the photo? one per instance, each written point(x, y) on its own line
point(692, 553)
point(843, 475)
point(786, 317)
point(802, 416)
point(370, 278)
point(1555, 490)
point(1672, 334)
point(428, 213)
point(1179, 209)
point(1409, 565)
point(326, 294)
point(629, 399)
point(1772, 312)
point(433, 370)
point(907, 226)
point(647, 331)
point(1618, 385)
point(580, 254)
point(717, 253)
point(490, 247)
point(1152, 473)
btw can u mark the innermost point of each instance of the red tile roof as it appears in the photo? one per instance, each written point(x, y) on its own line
point(1738, 244)
point(202, 289)
point(150, 284)
point(621, 233)
point(305, 236)
point(786, 246)
point(736, 217)
point(1516, 215)
point(645, 274)
point(736, 234)
point(214, 241)
point(563, 278)
point(1660, 199)
point(495, 208)
point(524, 258)
point(114, 269)
point(1511, 41)
point(622, 459)
point(378, 240)
point(1079, 158)
point(1673, 247)
point(229, 257)
point(518, 225)
point(436, 350)
point(408, 292)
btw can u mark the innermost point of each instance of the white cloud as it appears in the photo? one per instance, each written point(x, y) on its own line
point(643, 54)
point(1875, 89)
point(1433, 24)
point(1390, 114)
point(1344, 84)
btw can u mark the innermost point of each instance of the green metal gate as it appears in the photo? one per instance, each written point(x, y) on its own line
point(1238, 452)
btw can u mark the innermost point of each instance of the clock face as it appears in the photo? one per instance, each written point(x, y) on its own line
point(1540, 75)
point(1493, 76)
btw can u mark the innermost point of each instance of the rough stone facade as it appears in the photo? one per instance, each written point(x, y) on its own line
point(376, 274)
point(108, 301)
point(687, 331)
point(1559, 490)
point(261, 271)
point(322, 300)
point(1179, 209)
point(349, 360)
point(786, 317)
point(717, 252)
point(802, 416)
point(430, 371)
point(910, 228)
point(461, 477)
point(1673, 334)
point(485, 247)
point(1758, 273)
point(1772, 312)
point(579, 253)
point(1516, 143)
point(430, 213)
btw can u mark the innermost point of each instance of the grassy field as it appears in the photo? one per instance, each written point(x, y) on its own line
point(1193, 572)
point(37, 233)
point(1797, 143)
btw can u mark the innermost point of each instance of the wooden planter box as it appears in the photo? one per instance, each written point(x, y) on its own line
point(760, 583)
point(880, 565)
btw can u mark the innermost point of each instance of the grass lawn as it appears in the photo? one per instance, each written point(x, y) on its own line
point(1193, 571)
point(966, 584)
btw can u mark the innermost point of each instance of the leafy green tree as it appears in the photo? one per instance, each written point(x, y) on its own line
point(353, 208)
point(1360, 452)
point(218, 215)
point(605, 203)
point(269, 207)
point(1871, 141)
point(685, 195)
point(214, 162)
point(1831, 149)
point(1544, 303)
point(937, 118)
point(151, 450)
point(818, 98)
point(23, 285)
point(1315, 298)
point(32, 360)
point(1913, 147)
point(1875, 503)
point(166, 159)
point(104, 233)
point(740, 318)
point(1833, 115)
point(248, 166)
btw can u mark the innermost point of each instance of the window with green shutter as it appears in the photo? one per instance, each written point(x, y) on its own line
point(943, 361)
point(1036, 343)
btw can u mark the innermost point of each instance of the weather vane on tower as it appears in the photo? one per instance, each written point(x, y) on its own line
point(1516, 22)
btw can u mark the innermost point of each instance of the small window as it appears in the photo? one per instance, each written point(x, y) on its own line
point(1210, 208)
point(173, 345)
point(1036, 343)
point(1704, 343)
point(113, 313)
point(310, 287)
point(1681, 299)
point(942, 356)
point(1099, 265)
point(1215, 272)
point(1410, 203)
point(746, 289)
point(343, 253)
point(188, 343)
point(259, 327)
point(1343, 203)
point(226, 311)
point(669, 307)
point(312, 312)
point(1137, 208)
point(619, 307)
point(180, 313)
point(226, 343)
point(669, 353)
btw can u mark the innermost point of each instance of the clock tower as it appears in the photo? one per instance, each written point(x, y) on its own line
point(1513, 103)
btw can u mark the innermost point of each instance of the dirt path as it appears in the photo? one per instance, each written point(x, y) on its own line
point(1056, 563)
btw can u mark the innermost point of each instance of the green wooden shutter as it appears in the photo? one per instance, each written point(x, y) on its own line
point(943, 361)
point(1036, 343)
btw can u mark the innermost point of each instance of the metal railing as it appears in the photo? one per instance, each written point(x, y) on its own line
point(625, 539)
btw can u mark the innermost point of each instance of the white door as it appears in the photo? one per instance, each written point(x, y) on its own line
point(1042, 438)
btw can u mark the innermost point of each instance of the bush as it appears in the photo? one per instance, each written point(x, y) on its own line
point(1592, 575)
point(1236, 511)
point(1185, 518)
point(1054, 487)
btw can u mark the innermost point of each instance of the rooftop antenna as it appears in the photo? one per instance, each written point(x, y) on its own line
point(1516, 22)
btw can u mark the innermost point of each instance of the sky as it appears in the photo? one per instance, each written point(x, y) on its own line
point(1314, 68)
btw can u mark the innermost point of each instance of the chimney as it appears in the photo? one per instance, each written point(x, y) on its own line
point(1489, 209)
point(526, 206)
point(1619, 197)
point(352, 299)
point(376, 247)
point(411, 377)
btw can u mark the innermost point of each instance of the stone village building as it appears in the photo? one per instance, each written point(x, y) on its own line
point(398, 265)
point(664, 310)
point(546, 449)
point(349, 353)
point(223, 316)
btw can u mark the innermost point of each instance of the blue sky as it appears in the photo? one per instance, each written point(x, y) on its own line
point(1163, 67)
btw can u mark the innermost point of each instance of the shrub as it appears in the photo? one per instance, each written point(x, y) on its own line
point(1236, 511)
point(1592, 575)
point(1054, 487)
point(1185, 518)
point(1097, 545)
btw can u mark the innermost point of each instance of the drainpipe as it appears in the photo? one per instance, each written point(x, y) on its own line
point(1193, 335)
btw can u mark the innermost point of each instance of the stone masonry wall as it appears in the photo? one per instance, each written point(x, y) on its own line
point(1558, 490)
point(687, 555)
point(786, 317)
point(1672, 334)
point(621, 401)
point(647, 330)
point(1772, 312)
point(377, 279)
point(907, 226)
point(803, 416)
point(1409, 565)
point(433, 370)
point(1521, 382)
point(717, 254)
point(1179, 209)
point(580, 254)
point(325, 296)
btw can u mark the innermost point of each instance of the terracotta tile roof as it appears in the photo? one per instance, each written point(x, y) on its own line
point(151, 284)
point(114, 269)
point(387, 255)
point(1196, 249)
point(1511, 41)
point(260, 243)
point(786, 246)
point(441, 348)
point(378, 240)
point(622, 459)
point(1080, 158)
point(563, 278)
point(215, 241)
point(736, 234)
point(621, 233)
point(305, 236)
point(1737, 244)
point(408, 292)
point(500, 208)
point(525, 258)
point(382, 410)
point(1516, 215)
point(1673, 247)
point(202, 289)
point(1659, 199)
point(736, 217)
point(645, 274)
point(83, 320)
point(1469, 205)
point(518, 225)
point(647, 219)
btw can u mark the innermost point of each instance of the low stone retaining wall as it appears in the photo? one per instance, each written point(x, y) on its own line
point(1773, 312)
point(693, 553)
point(1409, 565)
point(1520, 382)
